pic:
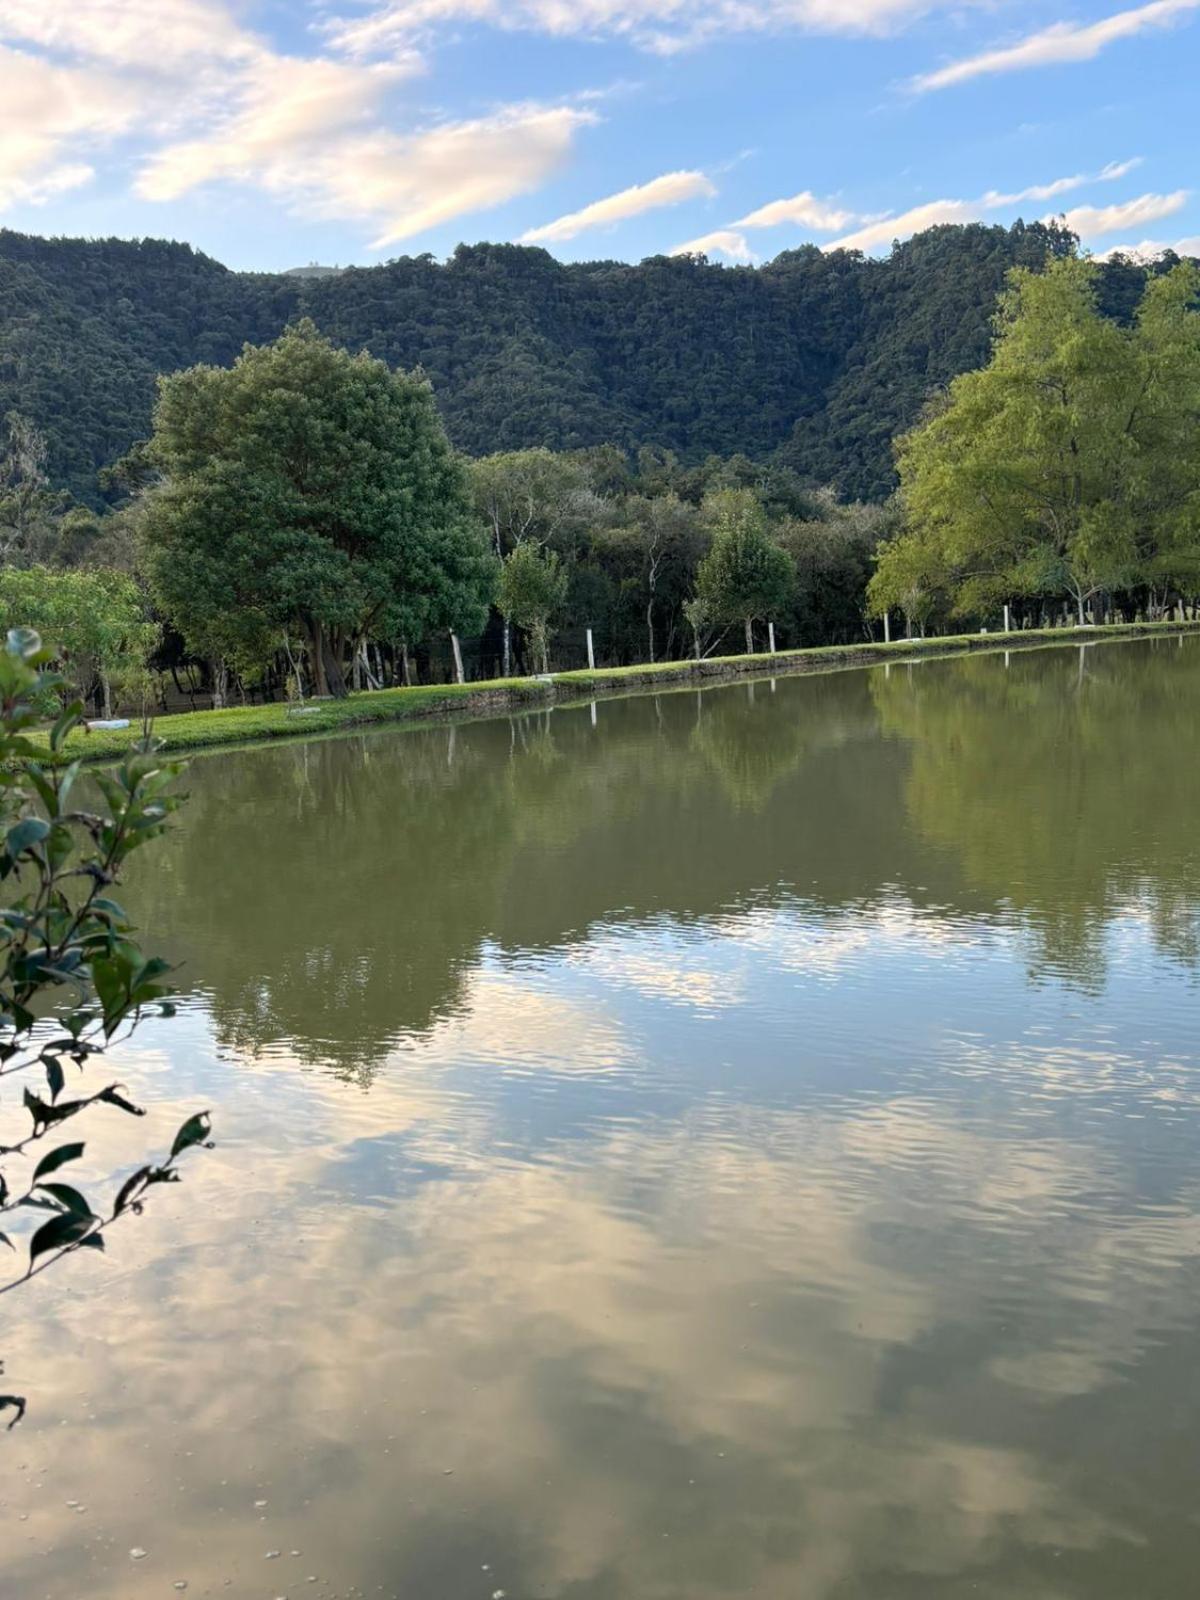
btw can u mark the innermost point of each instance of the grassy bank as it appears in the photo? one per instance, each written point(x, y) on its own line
point(196, 730)
point(821, 657)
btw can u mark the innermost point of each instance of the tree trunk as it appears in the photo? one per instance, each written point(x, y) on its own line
point(106, 691)
point(405, 666)
point(220, 681)
point(1079, 603)
point(331, 656)
point(458, 661)
point(650, 629)
point(749, 636)
point(506, 635)
point(316, 656)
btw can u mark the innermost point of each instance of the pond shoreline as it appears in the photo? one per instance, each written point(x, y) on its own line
point(198, 730)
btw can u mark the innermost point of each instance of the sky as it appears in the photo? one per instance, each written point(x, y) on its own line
point(273, 133)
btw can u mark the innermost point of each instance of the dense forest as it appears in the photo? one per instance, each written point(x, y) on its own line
point(816, 360)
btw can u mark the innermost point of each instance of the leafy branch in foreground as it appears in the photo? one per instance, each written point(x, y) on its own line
point(73, 980)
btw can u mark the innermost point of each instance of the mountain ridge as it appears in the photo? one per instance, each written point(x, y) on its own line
point(815, 359)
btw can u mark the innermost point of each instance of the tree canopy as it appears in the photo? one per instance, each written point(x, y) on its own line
point(311, 490)
point(1068, 466)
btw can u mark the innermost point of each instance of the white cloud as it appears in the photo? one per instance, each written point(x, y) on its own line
point(933, 213)
point(804, 210)
point(156, 35)
point(662, 26)
point(48, 109)
point(1149, 249)
point(1062, 42)
point(1118, 169)
point(213, 102)
point(299, 139)
point(930, 215)
point(283, 113)
point(670, 190)
point(1091, 221)
point(723, 242)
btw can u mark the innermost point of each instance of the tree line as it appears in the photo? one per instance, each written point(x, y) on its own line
point(816, 359)
point(300, 521)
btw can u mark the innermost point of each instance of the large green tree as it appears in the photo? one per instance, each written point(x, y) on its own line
point(1165, 419)
point(309, 490)
point(745, 577)
point(1066, 466)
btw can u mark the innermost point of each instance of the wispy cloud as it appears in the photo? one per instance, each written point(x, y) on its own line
point(934, 213)
point(212, 102)
point(403, 184)
point(50, 113)
point(722, 242)
point(283, 112)
point(1062, 42)
point(1091, 222)
point(803, 210)
point(930, 215)
point(672, 189)
point(660, 26)
point(1151, 249)
point(156, 36)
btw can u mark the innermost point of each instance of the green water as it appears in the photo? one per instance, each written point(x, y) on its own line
point(701, 1145)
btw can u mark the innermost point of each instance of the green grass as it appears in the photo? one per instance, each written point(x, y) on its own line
point(852, 654)
point(198, 730)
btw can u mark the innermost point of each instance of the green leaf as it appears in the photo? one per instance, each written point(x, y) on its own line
point(54, 1076)
point(194, 1131)
point(111, 977)
point(70, 716)
point(71, 1198)
point(25, 834)
point(44, 786)
point(112, 1097)
point(128, 1188)
point(65, 1229)
point(54, 1159)
point(109, 910)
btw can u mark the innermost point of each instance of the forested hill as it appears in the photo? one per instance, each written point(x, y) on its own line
point(817, 358)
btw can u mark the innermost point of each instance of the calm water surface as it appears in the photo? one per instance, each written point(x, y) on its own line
point(722, 1144)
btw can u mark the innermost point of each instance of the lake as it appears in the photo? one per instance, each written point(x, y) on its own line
point(700, 1144)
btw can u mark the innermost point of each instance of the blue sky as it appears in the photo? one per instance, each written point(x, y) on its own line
point(270, 134)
